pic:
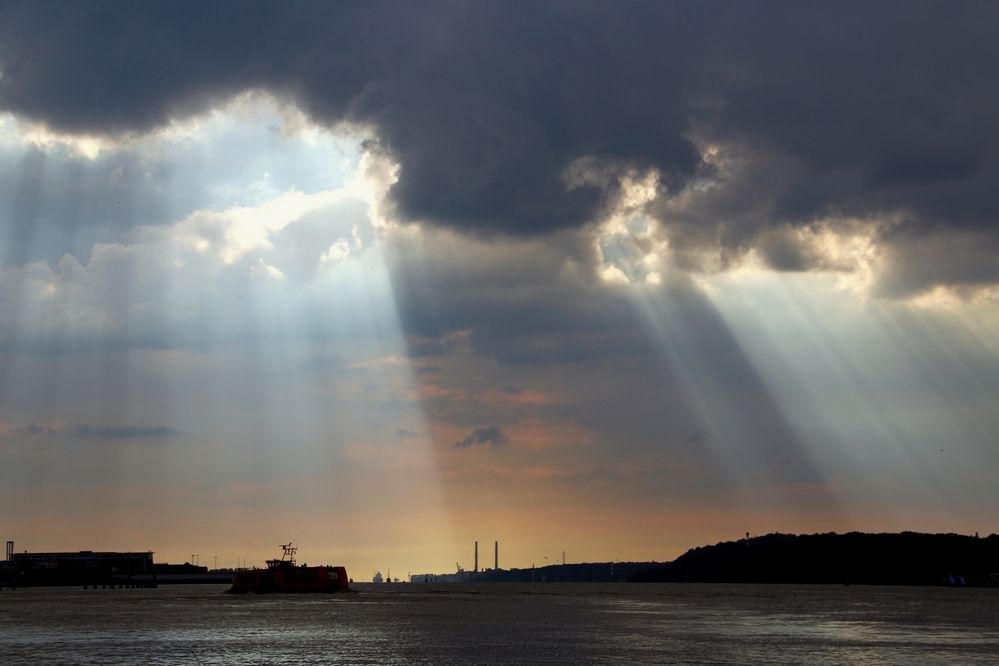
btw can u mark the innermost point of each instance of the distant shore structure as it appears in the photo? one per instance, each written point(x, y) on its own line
point(99, 569)
point(462, 575)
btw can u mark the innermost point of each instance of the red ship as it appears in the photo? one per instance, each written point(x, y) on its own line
point(285, 575)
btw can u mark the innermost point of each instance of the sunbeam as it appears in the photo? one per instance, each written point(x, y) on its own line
point(393, 286)
point(894, 429)
point(243, 360)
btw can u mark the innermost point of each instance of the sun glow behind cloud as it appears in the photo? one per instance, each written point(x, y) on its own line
point(258, 324)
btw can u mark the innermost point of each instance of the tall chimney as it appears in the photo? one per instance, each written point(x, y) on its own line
point(10, 551)
point(496, 555)
point(476, 569)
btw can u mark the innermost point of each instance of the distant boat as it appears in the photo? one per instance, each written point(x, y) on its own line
point(285, 575)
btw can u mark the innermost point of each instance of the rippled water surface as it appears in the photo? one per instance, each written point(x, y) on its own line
point(504, 623)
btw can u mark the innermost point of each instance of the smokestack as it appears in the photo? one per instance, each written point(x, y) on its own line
point(10, 551)
point(476, 569)
point(496, 555)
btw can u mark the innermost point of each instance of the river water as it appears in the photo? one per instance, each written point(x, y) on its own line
point(504, 624)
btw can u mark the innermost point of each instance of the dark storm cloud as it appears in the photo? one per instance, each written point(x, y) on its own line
point(509, 300)
point(876, 109)
point(847, 109)
point(493, 436)
point(483, 105)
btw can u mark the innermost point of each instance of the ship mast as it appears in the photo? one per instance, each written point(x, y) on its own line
point(287, 556)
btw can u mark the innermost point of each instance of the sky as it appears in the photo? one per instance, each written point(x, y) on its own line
point(386, 278)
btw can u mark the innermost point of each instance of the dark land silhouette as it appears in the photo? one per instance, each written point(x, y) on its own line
point(907, 558)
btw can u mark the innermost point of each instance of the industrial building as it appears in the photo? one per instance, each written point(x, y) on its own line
point(83, 567)
point(462, 575)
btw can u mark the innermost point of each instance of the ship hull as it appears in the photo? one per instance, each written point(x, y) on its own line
point(291, 579)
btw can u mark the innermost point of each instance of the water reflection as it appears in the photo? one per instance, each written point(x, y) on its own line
point(503, 623)
point(814, 625)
